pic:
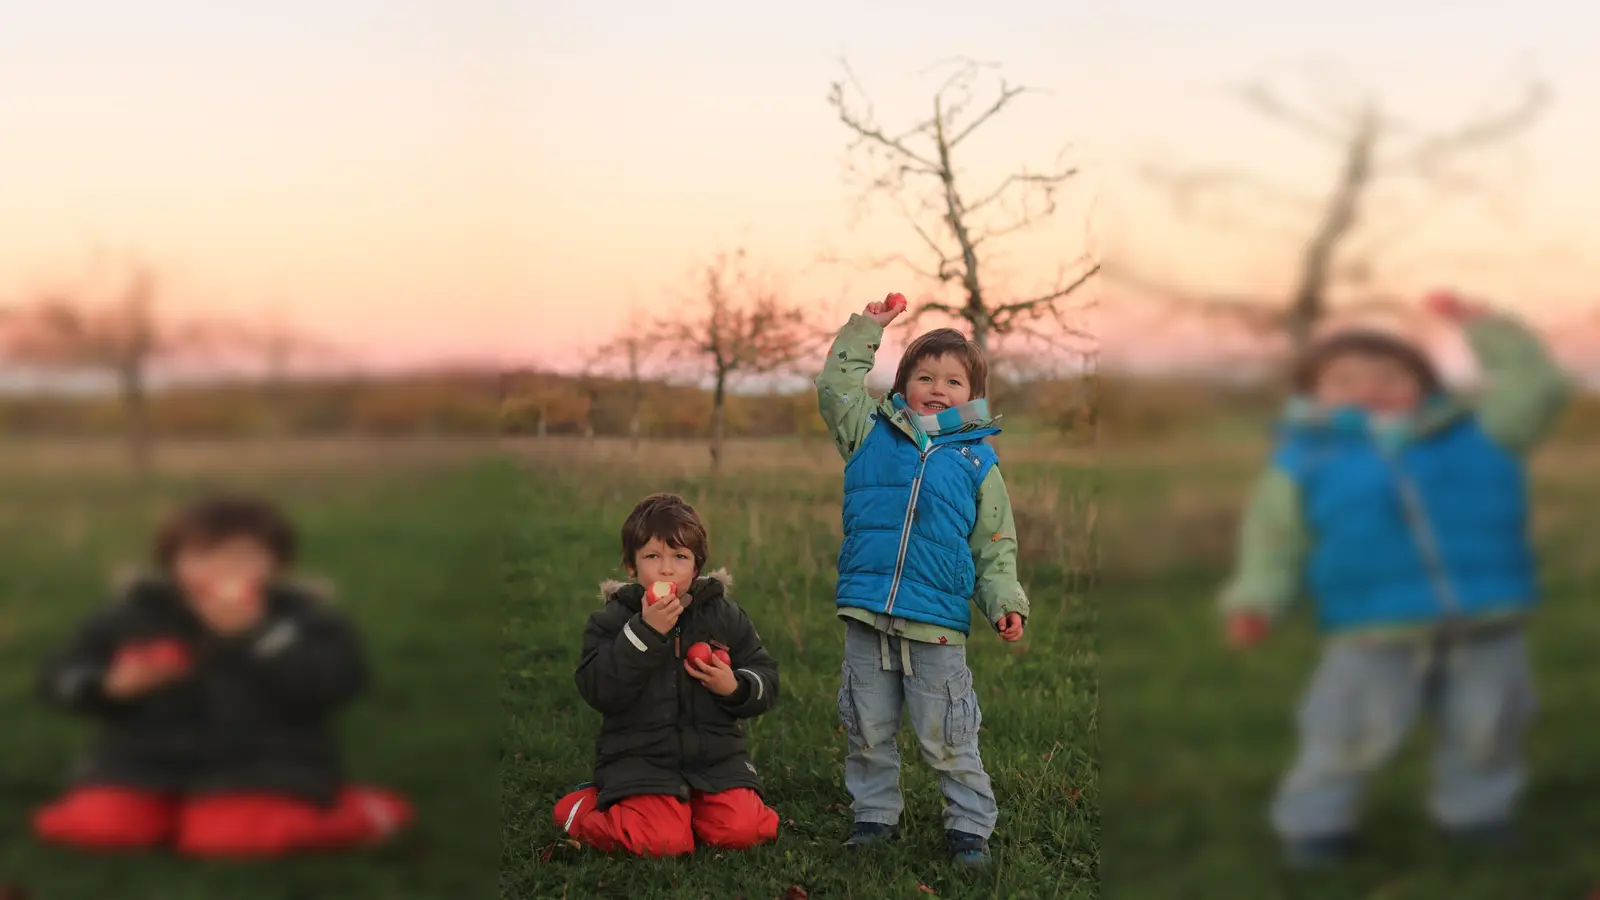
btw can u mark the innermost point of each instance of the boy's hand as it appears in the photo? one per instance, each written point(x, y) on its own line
point(1245, 630)
point(663, 614)
point(1011, 625)
point(1452, 307)
point(135, 672)
point(230, 608)
point(886, 310)
point(716, 675)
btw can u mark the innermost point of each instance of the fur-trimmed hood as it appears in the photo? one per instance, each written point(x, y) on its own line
point(611, 586)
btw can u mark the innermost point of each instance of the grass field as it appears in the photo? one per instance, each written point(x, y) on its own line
point(409, 534)
point(774, 521)
point(1196, 736)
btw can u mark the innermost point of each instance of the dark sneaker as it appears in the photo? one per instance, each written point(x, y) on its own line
point(865, 833)
point(1318, 852)
point(967, 849)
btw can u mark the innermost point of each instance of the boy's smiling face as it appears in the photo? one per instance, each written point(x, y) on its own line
point(1375, 383)
point(938, 383)
point(656, 561)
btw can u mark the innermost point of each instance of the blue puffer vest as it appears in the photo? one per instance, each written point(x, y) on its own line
point(1434, 530)
point(908, 520)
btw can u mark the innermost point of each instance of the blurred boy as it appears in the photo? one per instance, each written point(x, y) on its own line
point(1403, 511)
point(213, 681)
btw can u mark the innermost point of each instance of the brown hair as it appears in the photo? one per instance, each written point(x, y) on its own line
point(1363, 342)
point(212, 520)
point(942, 342)
point(669, 519)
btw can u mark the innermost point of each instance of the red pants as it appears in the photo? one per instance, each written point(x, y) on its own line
point(226, 825)
point(658, 825)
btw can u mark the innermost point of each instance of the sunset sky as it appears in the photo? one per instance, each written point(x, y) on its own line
point(424, 181)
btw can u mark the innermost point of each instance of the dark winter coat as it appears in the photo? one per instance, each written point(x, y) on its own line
point(251, 716)
point(663, 731)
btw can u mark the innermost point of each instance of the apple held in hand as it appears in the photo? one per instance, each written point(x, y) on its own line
point(660, 591)
point(167, 654)
point(896, 302)
point(700, 652)
point(722, 654)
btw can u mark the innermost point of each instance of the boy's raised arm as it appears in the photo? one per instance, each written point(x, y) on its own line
point(842, 395)
point(1525, 389)
point(994, 552)
point(756, 670)
point(619, 653)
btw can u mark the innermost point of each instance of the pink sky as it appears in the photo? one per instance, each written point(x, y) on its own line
point(423, 181)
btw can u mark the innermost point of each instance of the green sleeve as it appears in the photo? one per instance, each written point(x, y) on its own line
point(994, 552)
point(1524, 391)
point(842, 385)
point(1271, 552)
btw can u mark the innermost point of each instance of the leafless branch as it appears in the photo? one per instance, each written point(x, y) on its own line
point(1265, 101)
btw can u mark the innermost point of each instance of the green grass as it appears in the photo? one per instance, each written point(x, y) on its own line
point(1197, 736)
point(413, 551)
point(775, 526)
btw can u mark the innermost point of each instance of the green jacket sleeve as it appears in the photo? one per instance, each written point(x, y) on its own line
point(1525, 390)
point(842, 385)
point(994, 552)
point(1272, 544)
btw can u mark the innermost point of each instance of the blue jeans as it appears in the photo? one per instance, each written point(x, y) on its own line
point(1364, 699)
point(883, 674)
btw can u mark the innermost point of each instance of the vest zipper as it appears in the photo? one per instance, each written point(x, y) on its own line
point(679, 675)
point(1427, 541)
point(905, 528)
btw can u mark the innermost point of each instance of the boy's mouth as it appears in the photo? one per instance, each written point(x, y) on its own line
point(934, 405)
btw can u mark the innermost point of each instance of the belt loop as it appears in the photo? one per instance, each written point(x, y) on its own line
point(905, 656)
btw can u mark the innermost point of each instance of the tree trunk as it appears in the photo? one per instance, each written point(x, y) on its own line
point(136, 410)
point(633, 430)
point(717, 399)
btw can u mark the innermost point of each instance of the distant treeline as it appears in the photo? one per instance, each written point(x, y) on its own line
point(532, 403)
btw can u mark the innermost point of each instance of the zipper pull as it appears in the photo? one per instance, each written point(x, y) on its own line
point(677, 649)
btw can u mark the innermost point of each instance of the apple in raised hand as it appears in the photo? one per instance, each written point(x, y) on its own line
point(660, 591)
point(896, 302)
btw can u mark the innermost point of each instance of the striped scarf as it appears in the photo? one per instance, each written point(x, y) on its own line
point(925, 428)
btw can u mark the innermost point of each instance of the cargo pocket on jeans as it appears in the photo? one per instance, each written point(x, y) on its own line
point(962, 716)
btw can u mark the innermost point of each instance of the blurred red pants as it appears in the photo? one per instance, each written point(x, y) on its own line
point(222, 825)
point(658, 825)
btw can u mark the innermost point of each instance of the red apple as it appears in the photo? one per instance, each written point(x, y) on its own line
point(660, 591)
point(722, 654)
point(700, 652)
point(896, 301)
point(167, 654)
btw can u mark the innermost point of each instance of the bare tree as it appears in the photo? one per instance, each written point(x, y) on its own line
point(631, 353)
point(743, 327)
point(1376, 149)
point(277, 346)
point(123, 337)
point(916, 169)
